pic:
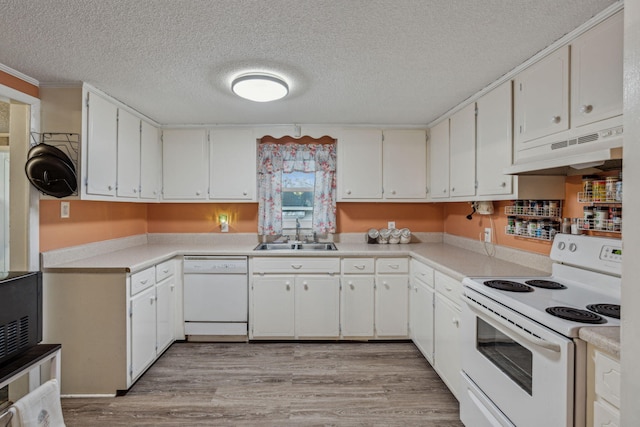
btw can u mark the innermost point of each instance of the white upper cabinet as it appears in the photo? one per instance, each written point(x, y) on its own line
point(494, 147)
point(128, 155)
point(232, 174)
point(439, 161)
point(542, 97)
point(404, 164)
point(596, 73)
point(185, 164)
point(462, 152)
point(359, 164)
point(101, 157)
point(150, 162)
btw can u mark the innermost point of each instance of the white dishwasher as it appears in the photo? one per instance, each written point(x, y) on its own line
point(216, 296)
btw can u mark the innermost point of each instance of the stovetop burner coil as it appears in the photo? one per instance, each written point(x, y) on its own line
point(610, 310)
point(508, 285)
point(546, 284)
point(576, 315)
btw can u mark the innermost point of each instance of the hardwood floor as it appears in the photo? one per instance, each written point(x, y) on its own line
point(278, 384)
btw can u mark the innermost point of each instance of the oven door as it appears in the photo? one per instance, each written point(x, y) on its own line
point(520, 368)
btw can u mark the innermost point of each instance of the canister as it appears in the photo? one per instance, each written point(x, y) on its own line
point(600, 217)
point(394, 236)
point(372, 235)
point(405, 235)
point(383, 238)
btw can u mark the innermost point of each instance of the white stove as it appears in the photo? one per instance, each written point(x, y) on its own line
point(517, 351)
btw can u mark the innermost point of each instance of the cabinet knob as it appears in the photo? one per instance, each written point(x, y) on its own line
point(455, 322)
point(586, 109)
point(393, 191)
point(110, 187)
point(453, 189)
point(306, 287)
point(351, 286)
point(503, 184)
point(288, 287)
point(152, 299)
point(348, 191)
point(555, 119)
point(444, 190)
point(244, 193)
point(198, 193)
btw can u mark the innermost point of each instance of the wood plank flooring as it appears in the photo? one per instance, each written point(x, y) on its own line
point(278, 384)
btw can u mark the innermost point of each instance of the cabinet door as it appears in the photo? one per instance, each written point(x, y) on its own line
point(165, 293)
point(360, 164)
point(102, 134)
point(404, 154)
point(233, 169)
point(357, 306)
point(185, 166)
point(143, 331)
point(447, 343)
point(462, 152)
point(542, 98)
point(392, 306)
point(150, 162)
point(596, 73)
point(421, 317)
point(439, 161)
point(317, 307)
point(128, 155)
point(494, 144)
point(273, 306)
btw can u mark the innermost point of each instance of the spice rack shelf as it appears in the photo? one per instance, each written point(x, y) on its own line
point(608, 197)
point(537, 220)
point(606, 225)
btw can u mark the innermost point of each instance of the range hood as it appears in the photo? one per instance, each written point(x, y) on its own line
point(572, 154)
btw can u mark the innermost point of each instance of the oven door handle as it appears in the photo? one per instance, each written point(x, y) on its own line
point(525, 335)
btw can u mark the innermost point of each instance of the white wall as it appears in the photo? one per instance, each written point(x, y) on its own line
point(630, 334)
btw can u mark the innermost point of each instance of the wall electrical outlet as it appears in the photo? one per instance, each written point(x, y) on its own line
point(65, 209)
point(487, 235)
point(391, 225)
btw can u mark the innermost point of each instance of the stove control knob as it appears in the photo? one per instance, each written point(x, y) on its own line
point(561, 245)
point(572, 247)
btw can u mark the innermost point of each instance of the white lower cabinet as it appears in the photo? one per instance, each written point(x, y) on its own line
point(603, 388)
point(290, 306)
point(447, 331)
point(421, 308)
point(357, 298)
point(111, 342)
point(392, 298)
point(273, 314)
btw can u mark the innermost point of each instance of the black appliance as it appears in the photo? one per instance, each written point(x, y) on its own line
point(20, 312)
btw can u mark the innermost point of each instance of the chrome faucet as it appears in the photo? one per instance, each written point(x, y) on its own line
point(297, 229)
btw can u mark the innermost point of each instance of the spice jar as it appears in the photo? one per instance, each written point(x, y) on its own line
point(615, 219)
point(566, 226)
point(587, 187)
point(599, 190)
point(610, 188)
point(511, 224)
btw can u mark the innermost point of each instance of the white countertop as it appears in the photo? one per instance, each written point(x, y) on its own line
point(452, 260)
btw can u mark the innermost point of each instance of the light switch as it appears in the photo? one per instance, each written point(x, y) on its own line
point(65, 209)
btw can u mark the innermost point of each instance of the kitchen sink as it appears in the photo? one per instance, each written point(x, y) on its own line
point(296, 246)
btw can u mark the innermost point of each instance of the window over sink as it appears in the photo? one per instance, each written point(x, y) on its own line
point(296, 186)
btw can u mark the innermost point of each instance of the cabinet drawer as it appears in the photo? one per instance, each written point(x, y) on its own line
point(165, 269)
point(422, 272)
point(357, 266)
point(142, 280)
point(607, 378)
point(449, 287)
point(392, 265)
point(296, 265)
point(605, 415)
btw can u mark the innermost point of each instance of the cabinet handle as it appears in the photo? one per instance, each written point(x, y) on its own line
point(555, 119)
point(165, 271)
point(306, 287)
point(448, 288)
point(296, 266)
point(351, 286)
point(144, 282)
point(288, 287)
point(455, 322)
point(359, 267)
point(386, 285)
point(110, 187)
point(453, 189)
point(586, 109)
point(172, 287)
point(394, 266)
point(151, 300)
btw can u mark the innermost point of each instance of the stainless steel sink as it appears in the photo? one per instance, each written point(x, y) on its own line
point(296, 247)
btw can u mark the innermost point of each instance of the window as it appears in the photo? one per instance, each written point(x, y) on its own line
point(296, 182)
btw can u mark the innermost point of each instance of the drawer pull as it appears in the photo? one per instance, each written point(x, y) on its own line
point(360, 267)
point(144, 282)
point(296, 266)
point(448, 288)
point(394, 266)
point(165, 271)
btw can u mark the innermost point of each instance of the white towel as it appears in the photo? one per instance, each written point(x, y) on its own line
point(40, 408)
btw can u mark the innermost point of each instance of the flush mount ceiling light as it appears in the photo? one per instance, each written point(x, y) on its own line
point(260, 87)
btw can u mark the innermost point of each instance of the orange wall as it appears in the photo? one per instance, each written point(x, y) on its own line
point(89, 222)
point(96, 221)
point(18, 84)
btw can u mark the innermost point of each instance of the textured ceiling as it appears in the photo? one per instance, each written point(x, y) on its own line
point(401, 62)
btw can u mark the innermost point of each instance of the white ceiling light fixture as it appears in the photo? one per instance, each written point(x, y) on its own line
point(260, 87)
